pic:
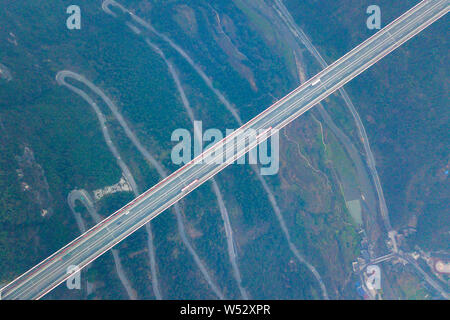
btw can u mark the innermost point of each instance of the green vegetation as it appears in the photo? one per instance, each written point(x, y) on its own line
point(402, 101)
point(64, 134)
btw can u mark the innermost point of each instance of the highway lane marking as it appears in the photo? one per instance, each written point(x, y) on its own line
point(146, 207)
point(298, 101)
point(287, 110)
point(290, 107)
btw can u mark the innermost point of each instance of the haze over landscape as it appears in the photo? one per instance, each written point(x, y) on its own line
point(348, 198)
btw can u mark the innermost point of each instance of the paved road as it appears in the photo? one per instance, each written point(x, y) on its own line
point(231, 245)
point(48, 274)
point(284, 13)
point(82, 227)
point(362, 173)
point(426, 276)
point(61, 77)
point(107, 6)
point(84, 197)
point(229, 106)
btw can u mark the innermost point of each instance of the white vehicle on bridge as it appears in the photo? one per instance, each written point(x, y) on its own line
point(315, 82)
point(189, 186)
